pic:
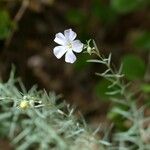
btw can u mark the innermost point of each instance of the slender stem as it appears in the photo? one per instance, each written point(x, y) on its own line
point(127, 96)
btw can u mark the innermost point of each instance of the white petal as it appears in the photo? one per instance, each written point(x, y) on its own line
point(70, 57)
point(70, 35)
point(77, 46)
point(59, 51)
point(60, 39)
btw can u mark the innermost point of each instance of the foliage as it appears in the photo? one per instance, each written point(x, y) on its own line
point(125, 6)
point(133, 131)
point(37, 120)
point(6, 24)
point(133, 67)
point(75, 16)
point(29, 116)
point(103, 12)
point(142, 41)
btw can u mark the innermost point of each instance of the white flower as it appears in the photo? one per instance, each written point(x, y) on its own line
point(68, 45)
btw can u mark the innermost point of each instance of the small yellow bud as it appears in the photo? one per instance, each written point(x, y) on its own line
point(24, 104)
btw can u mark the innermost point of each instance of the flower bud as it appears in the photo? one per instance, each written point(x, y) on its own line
point(89, 50)
point(24, 104)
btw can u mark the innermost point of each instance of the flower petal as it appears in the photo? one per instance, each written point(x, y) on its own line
point(59, 51)
point(77, 46)
point(70, 35)
point(70, 57)
point(60, 39)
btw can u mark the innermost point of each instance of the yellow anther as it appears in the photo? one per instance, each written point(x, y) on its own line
point(69, 45)
point(24, 104)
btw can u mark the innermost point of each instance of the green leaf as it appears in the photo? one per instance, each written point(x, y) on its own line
point(104, 12)
point(142, 41)
point(145, 88)
point(133, 67)
point(101, 88)
point(118, 114)
point(6, 24)
point(103, 91)
point(125, 6)
point(75, 16)
point(81, 63)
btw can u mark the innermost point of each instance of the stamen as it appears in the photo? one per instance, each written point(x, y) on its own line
point(69, 45)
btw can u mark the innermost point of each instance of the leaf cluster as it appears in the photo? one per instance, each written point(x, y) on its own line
point(37, 120)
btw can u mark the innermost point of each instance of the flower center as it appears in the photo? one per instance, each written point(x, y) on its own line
point(69, 46)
